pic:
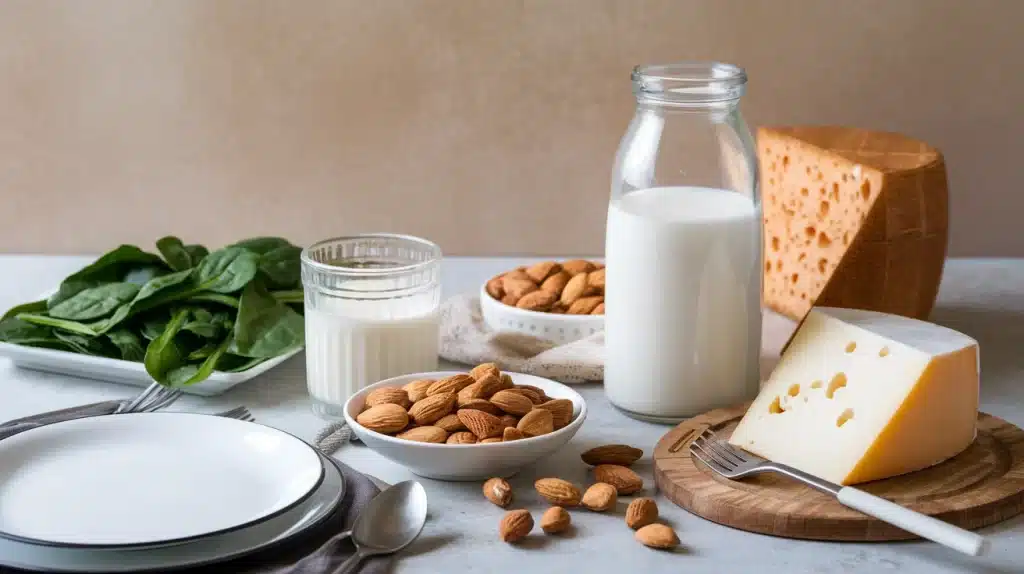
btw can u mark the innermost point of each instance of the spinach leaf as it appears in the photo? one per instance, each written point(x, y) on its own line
point(129, 343)
point(109, 267)
point(265, 327)
point(33, 307)
point(202, 297)
point(196, 252)
point(154, 324)
point(142, 275)
point(226, 270)
point(261, 245)
point(177, 254)
point(201, 322)
point(47, 321)
point(94, 302)
point(236, 363)
point(161, 284)
point(192, 373)
point(282, 267)
point(21, 332)
point(87, 345)
point(290, 296)
point(163, 354)
point(202, 352)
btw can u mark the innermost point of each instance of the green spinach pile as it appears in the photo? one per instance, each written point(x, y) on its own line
point(183, 313)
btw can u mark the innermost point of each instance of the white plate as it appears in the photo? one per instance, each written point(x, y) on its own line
point(150, 478)
point(217, 548)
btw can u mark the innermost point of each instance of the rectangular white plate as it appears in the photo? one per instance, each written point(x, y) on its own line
point(121, 371)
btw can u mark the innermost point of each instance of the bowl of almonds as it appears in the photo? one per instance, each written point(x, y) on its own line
point(558, 301)
point(452, 425)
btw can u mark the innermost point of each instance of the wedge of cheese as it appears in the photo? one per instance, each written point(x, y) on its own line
point(853, 218)
point(861, 395)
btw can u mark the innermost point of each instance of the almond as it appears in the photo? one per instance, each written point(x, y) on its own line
point(450, 423)
point(536, 422)
point(623, 479)
point(482, 405)
point(620, 454)
point(494, 288)
point(391, 395)
point(511, 434)
point(490, 440)
point(432, 408)
point(417, 389)
point(577, 266)
point(385, 418)
point(574, 289)
point(599, 310)
point(596, 279)
point(585, 305)
point(505, 382)
point(558, 492)
point(600, 497)
point(452, 384)
point(515, 525)
point(461, 437)
point(528, 393)
point(517, 273)
point(491, 383)
point(657, 536)
point(498, 491)
point(509, 421)
point(561, 411)
point(481, 424)
point(557, 308)
point(512, 403)
point(510, 300)
point(554, 520)
point(518, 287)
point(556, 283)
point(484, 369)
point(641, 512)
point(542, 271)
point(470, 393)
point(425, 434)
point(537, 301)
point(538, 390)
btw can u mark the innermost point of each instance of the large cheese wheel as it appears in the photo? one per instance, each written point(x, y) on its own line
point(853, 218)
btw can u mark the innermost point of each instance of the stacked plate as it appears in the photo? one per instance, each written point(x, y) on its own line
point(138, 492)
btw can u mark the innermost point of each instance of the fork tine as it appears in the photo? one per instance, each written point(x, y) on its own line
point(723, 449)
point(702, 444)
point(143, 397)
point(703, 456)
point(164, 400)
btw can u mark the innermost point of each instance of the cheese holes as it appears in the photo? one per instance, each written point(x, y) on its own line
point(883, 352)
point(785, 162)
point(775, 407)
point(865, 190)
point(816, 385)
point(835, 192)
point(846, 237)
point(796, 277)
point(771, 181)
point(822, 265)
point(810, 231)
point(775, 243)
point(823, 240)
point(808, 170)
point(824, 207)
point(851, 346)
point(767, 266)
point(845, 178)
point(837, 382)
point(794, 390)
point(804, 192)
point(844, 417)
point(802, 256)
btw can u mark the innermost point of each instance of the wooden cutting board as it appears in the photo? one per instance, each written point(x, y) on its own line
point(980, 486)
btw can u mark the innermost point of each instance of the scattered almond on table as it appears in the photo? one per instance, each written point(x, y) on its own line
point(641, 512)
point(515, 525)
point(574, 287)
point(555, 520)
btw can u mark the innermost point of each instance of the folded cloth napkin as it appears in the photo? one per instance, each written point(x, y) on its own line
point(465, 338)
point(318, 551)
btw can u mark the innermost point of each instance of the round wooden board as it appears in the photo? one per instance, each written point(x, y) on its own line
point(980, 486)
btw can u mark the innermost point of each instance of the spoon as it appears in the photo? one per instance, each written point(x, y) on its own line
point(392, 520)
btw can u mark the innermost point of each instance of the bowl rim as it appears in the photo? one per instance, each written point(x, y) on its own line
point(484, 295)
point(572, 426)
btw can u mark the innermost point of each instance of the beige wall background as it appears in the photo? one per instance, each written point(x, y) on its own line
point(486, 125)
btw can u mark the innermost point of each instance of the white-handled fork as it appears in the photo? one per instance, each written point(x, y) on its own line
point(734, 463)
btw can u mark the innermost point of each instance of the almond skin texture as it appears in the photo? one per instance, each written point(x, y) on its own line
point(512, 403)
point(537, 301)
point(481, 424)
point(491, 440)
point(515, 525)
point(386, 418)
point(577, 266)
point(557, 308)
point(516, 274)
point(528, 393)
point(542, 271)
point(574, 289)
point(556, 283)
point(452, 384)
point(596, 279)
point(490, 384)
point(538, 390)
point(518, 287)
point(536, 423)
point(432, 408)
point(620, 454)
point(509, 421)
point(418, 389)
point(623, 479)
point(641, 512)
point(498, 491)
point(495, 289)
point(510, 300)
point(505, 382)
point(461, 437)
point(554, 520)
point(585, 305)
point(511, 434)
point(482, 405)
point(388, 395)
point(657, 536)
point(450, 423)
point(481, 370)
point(599, 310)
point(600, 497)
point(561, 411)
point(558, 492)
point(425, 434)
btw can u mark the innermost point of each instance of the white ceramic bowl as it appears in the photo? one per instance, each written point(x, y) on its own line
point(467, 461)
point(555, 327)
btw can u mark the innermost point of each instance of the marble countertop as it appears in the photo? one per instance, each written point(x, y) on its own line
point(981, 297)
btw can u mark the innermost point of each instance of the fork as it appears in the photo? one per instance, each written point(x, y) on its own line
point(734, 463)
point(155, 397)
point(237, 413)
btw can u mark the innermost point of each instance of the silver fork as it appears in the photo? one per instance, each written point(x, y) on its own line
point(734, 463)
point(156, 396)
point(237, 413)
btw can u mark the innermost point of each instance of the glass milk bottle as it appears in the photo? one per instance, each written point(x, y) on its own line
point(683, 248)
point(371, 313)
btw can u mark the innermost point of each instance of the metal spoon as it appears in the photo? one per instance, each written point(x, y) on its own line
point(392, 520)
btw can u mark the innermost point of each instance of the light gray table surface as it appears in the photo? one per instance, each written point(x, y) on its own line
point(981, 297)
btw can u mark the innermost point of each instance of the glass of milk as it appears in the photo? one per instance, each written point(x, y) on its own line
point(683, 248)
point(371, 313)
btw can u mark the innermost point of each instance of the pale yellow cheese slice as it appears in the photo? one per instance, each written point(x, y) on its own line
point(861, 395)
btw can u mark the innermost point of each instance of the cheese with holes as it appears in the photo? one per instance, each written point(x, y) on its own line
point(861, 395)
point(853, 218)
